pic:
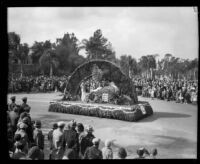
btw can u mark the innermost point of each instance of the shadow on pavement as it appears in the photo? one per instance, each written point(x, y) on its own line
point(157, 115)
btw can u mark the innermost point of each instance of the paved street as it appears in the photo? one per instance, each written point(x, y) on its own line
point(172, 129)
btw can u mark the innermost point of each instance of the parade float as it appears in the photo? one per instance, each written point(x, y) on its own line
point(99, 88)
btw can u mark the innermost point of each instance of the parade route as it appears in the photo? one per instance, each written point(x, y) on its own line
point(172, 129)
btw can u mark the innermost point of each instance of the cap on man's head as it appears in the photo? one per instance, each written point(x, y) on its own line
point(89, 128)
point(80, 127)
point(23, 126)
point(24, 98)
point(55, 125)
point(27, 109)
point(154, 152)
point(13, 98)
point(140, 151)
point(61, 123)
point(72, 123)
point(38, 123)
point(108, 143)
point(17, 137)
point(96, 141)
point(25, 120)
point(15, 109)
point(122, 152)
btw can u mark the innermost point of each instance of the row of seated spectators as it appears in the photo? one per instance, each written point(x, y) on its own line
point(70, 140)
point(181, 91)
point(36, 84)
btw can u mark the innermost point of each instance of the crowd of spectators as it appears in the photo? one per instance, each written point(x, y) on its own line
point(181, 91)
point(66, 140)
point(36, 84)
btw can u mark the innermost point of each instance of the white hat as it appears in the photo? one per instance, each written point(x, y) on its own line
point(61, 123)
point(89, 128)
point(108, 143)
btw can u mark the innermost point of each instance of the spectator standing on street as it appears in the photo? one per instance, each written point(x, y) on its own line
point(122, 154)
point(81, 135)
point(12, 105)
point(14, 117)
point(24, 136)
point(38, 136)
point(24, 106)
point(71, 134)
point(19, 151)
point(87, 140)
point(50, 138)
point(35, 153)
point(107, 150)
point(93, 152)
point(58, 149)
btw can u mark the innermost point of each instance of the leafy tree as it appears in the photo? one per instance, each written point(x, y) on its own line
point(128, 65)
point(67, 50)
point(49, 61)
point(98, 47)
point(38, 49)
point(147, 64)
point(13, 45)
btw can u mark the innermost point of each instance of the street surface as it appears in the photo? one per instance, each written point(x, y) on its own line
point(172, 129)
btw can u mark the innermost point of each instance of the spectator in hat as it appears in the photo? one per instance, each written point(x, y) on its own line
point(140, 153)
point(93, 152)
point(70, 152)
point(153, 154)
point(24, 106)
point(71, 134)
point(14, 117)
point(35, 153)
point(19, 151)
point(81, 135)
point(38, 136)
point(10, 136)
point(50, 138)
point(122, 154)
point(87, 139)
point(58, 149)
point(12, 104)
point(107, 150)
point(24, 137)
point(29, 129)
point(17, 139)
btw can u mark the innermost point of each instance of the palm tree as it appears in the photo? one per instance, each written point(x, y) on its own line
point(22, 54)
point(49, 60)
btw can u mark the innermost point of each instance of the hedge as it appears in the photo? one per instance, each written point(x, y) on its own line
point(133, 113)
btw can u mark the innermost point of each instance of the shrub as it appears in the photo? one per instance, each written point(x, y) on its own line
point(133, 114)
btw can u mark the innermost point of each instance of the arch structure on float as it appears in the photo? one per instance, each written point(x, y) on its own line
point(111, 72)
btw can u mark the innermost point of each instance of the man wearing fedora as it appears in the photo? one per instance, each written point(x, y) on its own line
point(12, 105)
point(24, 106)
point(71, 134)
point(38, 136)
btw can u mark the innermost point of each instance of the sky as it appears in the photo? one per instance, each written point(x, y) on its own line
point(134, 31)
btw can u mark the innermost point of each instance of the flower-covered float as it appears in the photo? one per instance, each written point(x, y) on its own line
point(99, 88)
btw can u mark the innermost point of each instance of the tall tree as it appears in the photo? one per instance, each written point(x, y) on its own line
point(128, 65)
point(98, 47)
point(13, 45)
point(49, 61)
point(38, 49)
point(67, 50)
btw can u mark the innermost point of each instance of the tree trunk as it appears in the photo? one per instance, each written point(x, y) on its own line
point(51, 70)
point(21, 71)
